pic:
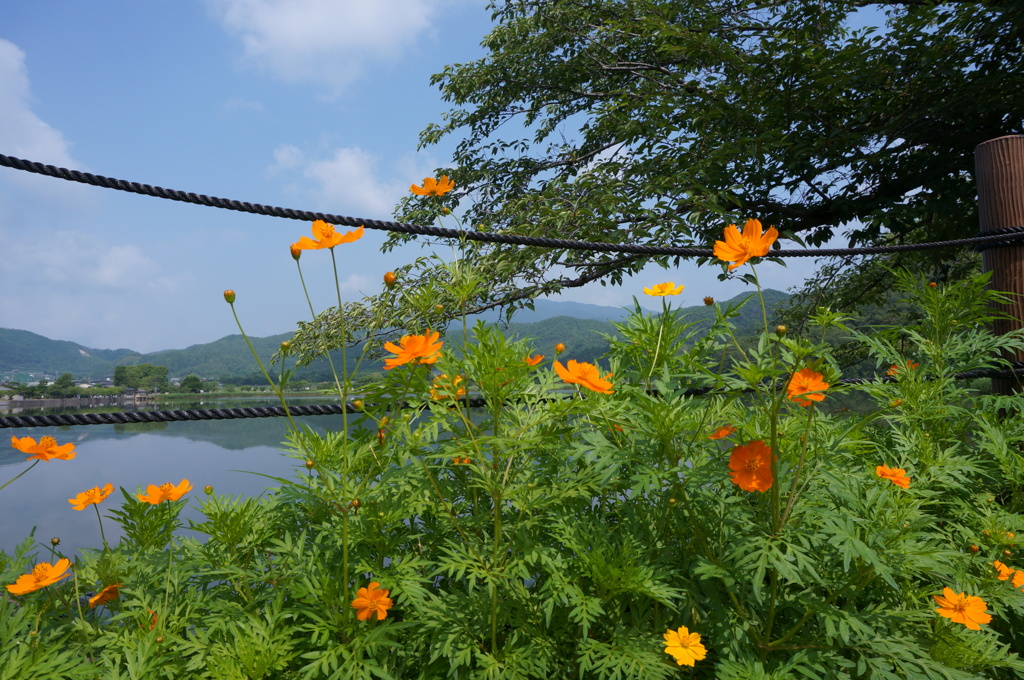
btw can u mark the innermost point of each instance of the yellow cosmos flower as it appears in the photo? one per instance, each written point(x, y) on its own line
point(968, 610)
point(582, 373)
point(47, 448)
point(416, 349)
point(93, 496)
point(447, 388)
point(165, 492)
point(738, 248)
point(324, 236)
point(111, 592)
point(372, 600)
point(433, 187)
point(663, 289)
point(42, 575)
point(684, 646)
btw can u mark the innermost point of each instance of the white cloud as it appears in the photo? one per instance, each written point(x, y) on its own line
point(328, 42)
point(348, 181)
point(22, 133)
point(25, 135)
point(81, 260)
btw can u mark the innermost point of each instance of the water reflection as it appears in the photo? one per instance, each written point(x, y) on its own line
point(222, 453)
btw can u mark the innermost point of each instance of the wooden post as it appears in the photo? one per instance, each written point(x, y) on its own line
point(999, 171)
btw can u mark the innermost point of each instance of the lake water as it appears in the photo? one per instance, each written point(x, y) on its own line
point(221, 453)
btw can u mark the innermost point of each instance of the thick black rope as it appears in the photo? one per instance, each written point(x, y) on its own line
point(1006, 236)
point(66, 419)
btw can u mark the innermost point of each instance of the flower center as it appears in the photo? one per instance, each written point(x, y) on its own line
point(47, 442)
point(753, 464)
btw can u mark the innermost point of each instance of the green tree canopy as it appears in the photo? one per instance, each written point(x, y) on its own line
point(191, 383)
point(659, 121)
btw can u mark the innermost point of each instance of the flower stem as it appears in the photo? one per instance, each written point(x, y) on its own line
point(22, 473)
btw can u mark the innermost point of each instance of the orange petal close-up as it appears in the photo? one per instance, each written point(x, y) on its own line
point(370, 600)
point(325, 236)
point(47, 449)
point(93, 496)
point(960, 608)
point(433, 187)
point(42, 575)
point(806, 386)
point(897, 476)
point(582, 373)
point(739, 247)
point(165, 492)
point(415, 349)
point(750, 466)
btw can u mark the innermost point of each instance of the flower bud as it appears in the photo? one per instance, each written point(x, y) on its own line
point(446, 211)
point(974, 549)
point(160, 639)
point(357, 404)
point(285, 346)
point(296, 251)
point(208, 489)
point(55, 541)
point(780, 331)
point(356, 503)
point(709, 301)
point(932, 284)
point(310, 464)
point(671, 501)
point(895, 403)
point(559, 348)
point(1007, 553)
point(439, 308)
point(229, 297)
point(390, 279)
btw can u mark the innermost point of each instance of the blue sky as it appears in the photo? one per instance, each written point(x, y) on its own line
point(313, 104)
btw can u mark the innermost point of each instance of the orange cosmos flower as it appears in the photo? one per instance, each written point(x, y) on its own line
point(1018, 578)
point(722, 432)
point(46, 449)
point(582, 373)
point(433, 187)
point(738, 248)
point(447, 388)
point(369, 600)
point(806, 386)
point(324, 236)
point(968, 610)
point(663, 289)
point(93, 496)
point(684, 646)
point(534, 360)
point(1005, 572)
point(460, 460)
point(109, 593)
point(42, 575)
point(165, 492)
point(897, 476)
point(418, 349)
point(894, 369)
point(751, 466)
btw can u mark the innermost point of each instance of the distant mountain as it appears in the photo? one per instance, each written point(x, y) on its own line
point(579, 326)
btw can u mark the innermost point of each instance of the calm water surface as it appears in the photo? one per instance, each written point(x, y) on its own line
point(221, 453)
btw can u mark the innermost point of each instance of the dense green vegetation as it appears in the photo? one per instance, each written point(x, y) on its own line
point(753, 533)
